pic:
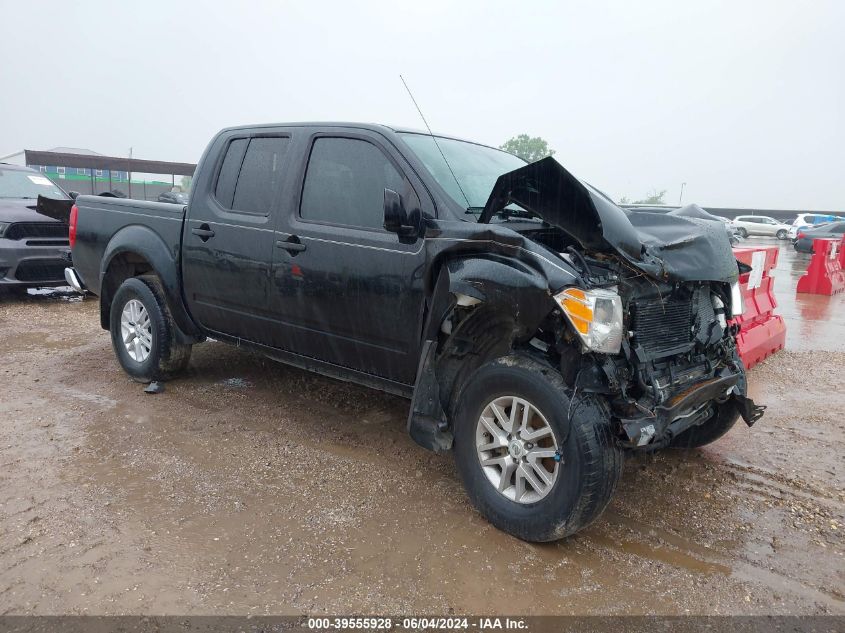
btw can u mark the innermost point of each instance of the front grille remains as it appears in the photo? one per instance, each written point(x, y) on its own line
point(43, 270)
point(662, 328)
point(23, 230)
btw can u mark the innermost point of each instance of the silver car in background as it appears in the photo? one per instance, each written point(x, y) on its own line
point(746, 225)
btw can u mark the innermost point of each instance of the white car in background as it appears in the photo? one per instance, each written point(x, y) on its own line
point(808, 219)
point(746, 225)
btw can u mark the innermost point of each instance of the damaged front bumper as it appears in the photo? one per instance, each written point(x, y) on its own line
point(656, 428)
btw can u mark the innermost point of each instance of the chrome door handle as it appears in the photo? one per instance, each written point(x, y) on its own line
point(291, 247)
point(204, 232)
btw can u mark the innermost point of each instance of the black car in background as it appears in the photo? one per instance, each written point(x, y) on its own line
point(173, 197)
point(34, 249)
point(829, 230)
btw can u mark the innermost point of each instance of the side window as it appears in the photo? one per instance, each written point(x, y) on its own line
point(345, 183)
point(260, 175)
point(228, 176)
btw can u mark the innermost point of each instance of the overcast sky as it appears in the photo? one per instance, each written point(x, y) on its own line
point(743, 101)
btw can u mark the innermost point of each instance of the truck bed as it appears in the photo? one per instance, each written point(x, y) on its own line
point(101, 218)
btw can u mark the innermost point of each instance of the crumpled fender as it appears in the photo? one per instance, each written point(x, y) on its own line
point(506, 282)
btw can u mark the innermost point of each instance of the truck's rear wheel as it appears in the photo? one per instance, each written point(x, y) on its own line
point(142, 331)
point(525, 468)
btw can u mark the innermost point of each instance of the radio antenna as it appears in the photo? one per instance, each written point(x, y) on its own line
point(434, 138)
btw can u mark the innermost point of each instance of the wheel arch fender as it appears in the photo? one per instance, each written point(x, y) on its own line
point(512, 300)
point(135, 250)
point(506, 282)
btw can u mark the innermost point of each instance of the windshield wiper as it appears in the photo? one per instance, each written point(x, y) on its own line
point(518, 213)
point(507, 213)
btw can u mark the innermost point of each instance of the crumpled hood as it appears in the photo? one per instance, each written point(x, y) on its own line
point(19, 211)
point(676, 247)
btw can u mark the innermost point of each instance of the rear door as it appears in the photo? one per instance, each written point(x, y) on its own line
point(227, 242)
point(753, 226)
point(349, 292)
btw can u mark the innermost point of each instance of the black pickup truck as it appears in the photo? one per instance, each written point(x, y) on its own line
point(539, 330)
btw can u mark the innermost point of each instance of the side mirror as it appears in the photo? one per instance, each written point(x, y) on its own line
point(73, 194)
point(395, 215)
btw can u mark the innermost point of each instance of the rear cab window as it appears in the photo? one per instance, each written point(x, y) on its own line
point(250, 174)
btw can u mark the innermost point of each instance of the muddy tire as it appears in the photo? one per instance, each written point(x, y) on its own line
point(781, 235)
point(575, 489)
point(143, 332)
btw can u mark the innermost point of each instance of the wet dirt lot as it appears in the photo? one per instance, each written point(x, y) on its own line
point(253, 488)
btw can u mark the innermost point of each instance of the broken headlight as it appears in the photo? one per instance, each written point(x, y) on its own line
point(596, 315)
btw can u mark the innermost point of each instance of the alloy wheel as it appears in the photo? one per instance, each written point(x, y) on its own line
point(517, 449)
point(136, 330)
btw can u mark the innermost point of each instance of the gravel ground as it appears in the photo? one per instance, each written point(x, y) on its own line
point(253, 488)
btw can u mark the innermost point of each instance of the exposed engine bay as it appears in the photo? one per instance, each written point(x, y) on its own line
point(649, 329)
point(676, 359)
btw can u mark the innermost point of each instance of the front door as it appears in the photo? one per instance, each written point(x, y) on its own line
point(228, 239)
point(350, 293)
point(768, 226)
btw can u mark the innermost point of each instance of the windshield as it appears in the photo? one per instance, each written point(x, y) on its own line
point(27, 185)
point(476, 167)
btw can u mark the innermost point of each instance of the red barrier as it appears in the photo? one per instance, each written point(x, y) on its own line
point(824, 275)
point(761, 333)
point(842, 253)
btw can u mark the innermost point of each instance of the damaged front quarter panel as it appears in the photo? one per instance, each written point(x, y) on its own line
point(501, 276)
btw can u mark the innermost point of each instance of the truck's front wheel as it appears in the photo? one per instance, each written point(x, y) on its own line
point(142, 331)
point(528, 469)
